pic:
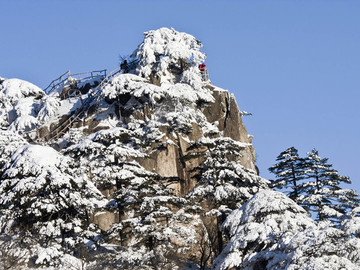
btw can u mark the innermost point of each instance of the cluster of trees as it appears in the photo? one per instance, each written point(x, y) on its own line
point(313, 184)
point(272, 231)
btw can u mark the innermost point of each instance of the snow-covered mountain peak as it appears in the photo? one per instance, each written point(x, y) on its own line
point(166, 53)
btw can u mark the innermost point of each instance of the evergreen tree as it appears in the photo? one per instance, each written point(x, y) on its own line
point(45, 208)
point(317, 247)
point(272, 232)
point(323, 195)
point(222, 183)
point(289, 172)
point(155, 223)
point(257, 226)
point(351, 222)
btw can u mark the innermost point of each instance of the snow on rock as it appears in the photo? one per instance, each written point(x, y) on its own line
point(15, 89)
point(131, 84)
point(49, 108)
point(32, 158)
point(19, 102)
point(166, 49)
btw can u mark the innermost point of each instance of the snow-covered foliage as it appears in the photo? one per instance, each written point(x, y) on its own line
point(19, 101)
point(314, 185)
point(103, 153)
point(323, 195)
point(167, 52)
point(9, 143)
point(221, 179)
point(257, 226)
point(271, 231)
point(351, 222)
point(41, 198)
point(317, 247)
point(289, 172)
point(154, 222)
point(49, 108)
point(141, 90)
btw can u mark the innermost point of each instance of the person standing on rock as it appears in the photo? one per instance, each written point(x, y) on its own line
point(124, 66)
point(202, 68)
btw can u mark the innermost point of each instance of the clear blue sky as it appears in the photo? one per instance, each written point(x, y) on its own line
point(294, 64)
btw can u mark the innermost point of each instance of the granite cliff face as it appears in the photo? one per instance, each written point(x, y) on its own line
point(167, 150)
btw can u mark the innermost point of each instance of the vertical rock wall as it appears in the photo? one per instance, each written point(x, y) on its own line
point(167, 159)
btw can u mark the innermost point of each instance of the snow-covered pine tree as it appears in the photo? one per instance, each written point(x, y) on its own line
point(223, 184)
point(256, 227)
point(19, 102)
point(221, 179)
point(289, 171)
point(102, 154)
point(156, 228)
point(323, 196)
point(9, 142)
point(351, 222)
point(44, 208)
point(272, 232)
point(317, 247)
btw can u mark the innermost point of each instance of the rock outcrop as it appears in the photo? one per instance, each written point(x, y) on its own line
point(167, 150)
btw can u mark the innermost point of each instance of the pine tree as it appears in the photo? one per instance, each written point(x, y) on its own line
point(257, 226)
point(222, 183)
point(289, 172)
point(351, 222)
point(272, 232)
point(44, 207)
point(317, 247)
point(323, 195)
point(154, 222)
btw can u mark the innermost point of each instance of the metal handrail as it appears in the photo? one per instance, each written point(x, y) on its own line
point(92, 75)
point(55, 83)
point(94, 95)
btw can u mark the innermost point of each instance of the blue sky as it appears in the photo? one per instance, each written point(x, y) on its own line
point(295, 65)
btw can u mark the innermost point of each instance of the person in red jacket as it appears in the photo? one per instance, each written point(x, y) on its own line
point(203, 71)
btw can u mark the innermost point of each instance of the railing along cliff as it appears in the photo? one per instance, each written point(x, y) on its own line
point(92, 96)
point(78, 76)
